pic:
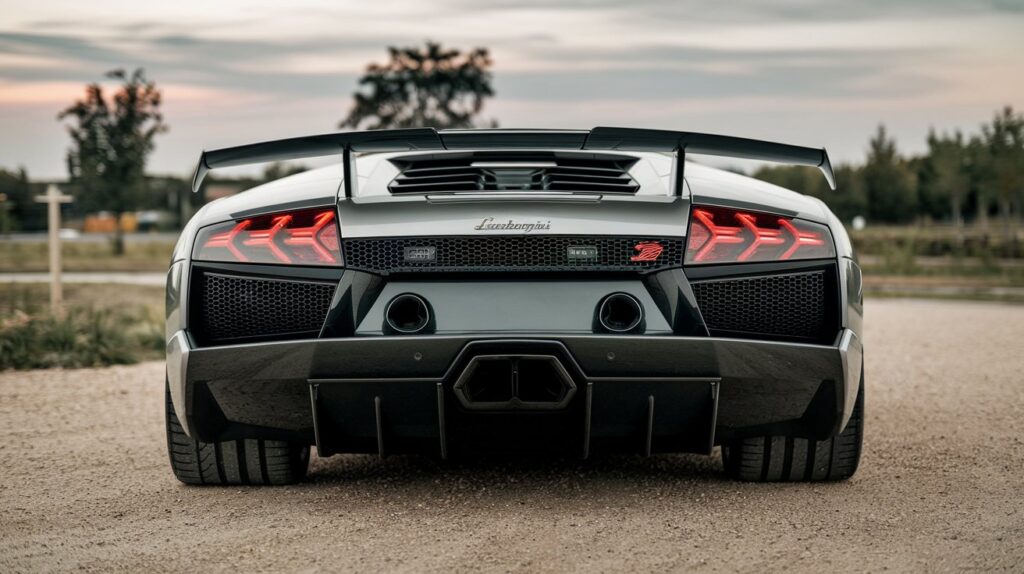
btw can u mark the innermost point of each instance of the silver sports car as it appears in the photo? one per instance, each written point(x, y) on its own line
point(463, 291)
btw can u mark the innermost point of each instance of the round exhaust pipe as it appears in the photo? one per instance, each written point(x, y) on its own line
point(407, 314)
point(620, 313)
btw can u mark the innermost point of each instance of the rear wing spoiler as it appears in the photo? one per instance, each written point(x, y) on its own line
point(429, 139)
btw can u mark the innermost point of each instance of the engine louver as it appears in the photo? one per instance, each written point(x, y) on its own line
point(514, 172)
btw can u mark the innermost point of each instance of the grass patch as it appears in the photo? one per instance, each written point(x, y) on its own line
point(104, 325)
point(951, 269)
point(993, 242)
point(86, 256)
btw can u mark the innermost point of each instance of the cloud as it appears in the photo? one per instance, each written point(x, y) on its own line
point(328, 65)
point(687, 12)
point(66, 46)
point(227, 64)
point(768, 81)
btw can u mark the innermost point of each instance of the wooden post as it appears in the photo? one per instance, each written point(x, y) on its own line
point(53, 198)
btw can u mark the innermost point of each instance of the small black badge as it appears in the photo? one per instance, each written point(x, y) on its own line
point(422, 253)
point(581, 252)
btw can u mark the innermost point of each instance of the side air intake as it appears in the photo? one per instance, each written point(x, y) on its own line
point(231, 308)
point(783, 306)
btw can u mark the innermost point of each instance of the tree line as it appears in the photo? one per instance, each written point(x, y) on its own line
point(960, 178)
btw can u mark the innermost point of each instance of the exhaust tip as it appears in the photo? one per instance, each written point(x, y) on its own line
point(407, 314)
point(620, 313)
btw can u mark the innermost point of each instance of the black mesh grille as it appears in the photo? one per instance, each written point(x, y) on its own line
point(233, 307)
point(788, 305)
point(514, 172)
point(509, 253)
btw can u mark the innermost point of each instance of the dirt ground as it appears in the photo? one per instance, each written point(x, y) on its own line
point(85, 484)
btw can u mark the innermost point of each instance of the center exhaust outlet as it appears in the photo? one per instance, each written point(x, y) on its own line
point(407, 314)
point(620, 313)
point(514, 382)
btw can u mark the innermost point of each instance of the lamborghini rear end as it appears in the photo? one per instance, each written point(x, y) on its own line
point(506, 291)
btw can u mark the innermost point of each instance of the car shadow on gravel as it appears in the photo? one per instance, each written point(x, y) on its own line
point(526, 472)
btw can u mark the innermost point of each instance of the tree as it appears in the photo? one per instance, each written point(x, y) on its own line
point(1002, 163)
point(945, 178)
point(422, 87)
point(850, 199)
point(279, 169)
point(110, 142)
point(846, 202)
point(802, 179)
point(888, 183)
point(18, 207)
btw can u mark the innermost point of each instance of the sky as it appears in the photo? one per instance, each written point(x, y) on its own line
point(810, 73)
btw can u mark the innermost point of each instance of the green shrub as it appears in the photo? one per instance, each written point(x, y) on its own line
point(899, 259)
point(85, 337)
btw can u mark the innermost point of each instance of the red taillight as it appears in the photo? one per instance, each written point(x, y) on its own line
point(720, 235)
point(307, 237)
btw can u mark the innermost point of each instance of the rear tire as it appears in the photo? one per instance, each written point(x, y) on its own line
point(784, 458)
point(242, 461)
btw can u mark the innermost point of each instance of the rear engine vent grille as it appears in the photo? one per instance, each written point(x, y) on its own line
point(515, 172)
point(233, 308)
point(793, 305)
point(513, 253)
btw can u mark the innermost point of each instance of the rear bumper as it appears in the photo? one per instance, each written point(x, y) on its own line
point(395, 394)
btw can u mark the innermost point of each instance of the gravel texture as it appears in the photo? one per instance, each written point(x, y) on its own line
point(85, 484)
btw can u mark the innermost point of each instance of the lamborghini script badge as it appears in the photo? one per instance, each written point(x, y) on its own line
point(648, 251)
point(488, 224)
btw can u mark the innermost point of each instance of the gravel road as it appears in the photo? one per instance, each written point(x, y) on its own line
point(85, 484)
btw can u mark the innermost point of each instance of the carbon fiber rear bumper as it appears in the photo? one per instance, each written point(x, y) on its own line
point(395, 394)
